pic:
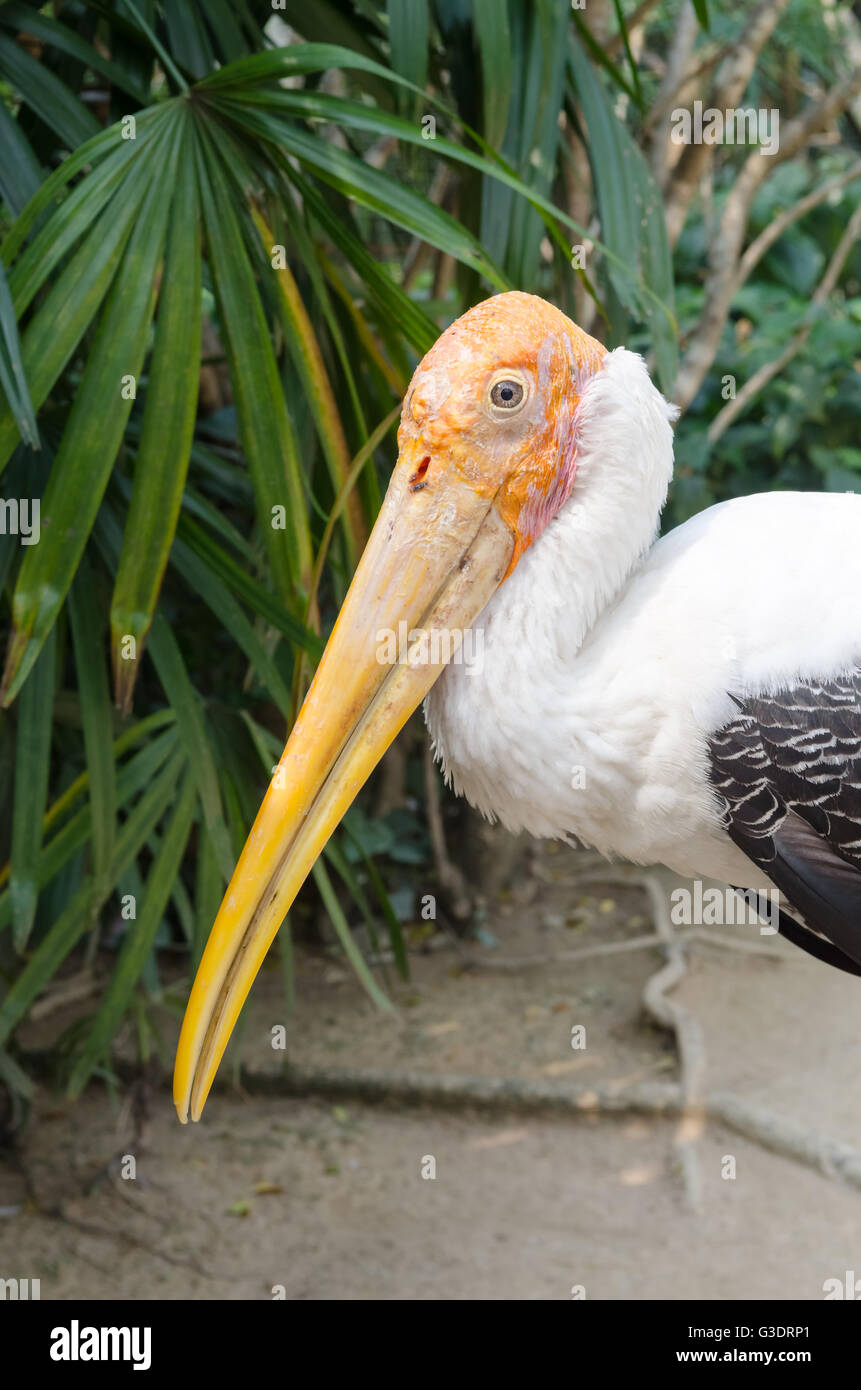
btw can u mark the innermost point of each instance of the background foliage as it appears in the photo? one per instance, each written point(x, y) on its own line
point(208, 317)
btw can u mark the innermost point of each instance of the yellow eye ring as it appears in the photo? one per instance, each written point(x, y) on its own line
point(508, 394)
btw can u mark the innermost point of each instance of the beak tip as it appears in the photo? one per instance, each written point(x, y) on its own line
point(199, 1094)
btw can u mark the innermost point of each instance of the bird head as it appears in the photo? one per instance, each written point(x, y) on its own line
point(489, 418)
point(487, 454)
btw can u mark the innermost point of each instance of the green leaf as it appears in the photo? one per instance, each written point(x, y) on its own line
point(227, 28)
point(15, 1080)
point(26, 19)
point(138, 942)
point(45, 94)
point(126, 740)
point(635, 76)
point(602, 58)
point(20, 171)
point(308, 257)
point(187, 37)
point(208, 892)
point(167, 62)
point(249, 589)
point(493, 31)
point(345, 936)
point(316, 389)
point(396, 936)
point(632, 218)
point(73, 922)
point(67, 310)
point(701, 10)
point(371, 188)
point(202, 509)
point(32, 765)
point(12, 378)
point(89, 154)
point(75, 216)
point(409, 35)
point(344, 869)
point(656, 263)
point(85, 615)
point(293, 61)
point(163, 453)
point(92, 436)
point(416, 325)
point(266, 431)
point(534, 125)
point(192, 725)
point(218, 598)
point(350, 114)
point(59, 850)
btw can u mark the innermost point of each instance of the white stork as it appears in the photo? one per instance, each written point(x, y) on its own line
point(694, 702)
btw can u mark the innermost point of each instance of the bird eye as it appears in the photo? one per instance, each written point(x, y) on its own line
point(507, 395)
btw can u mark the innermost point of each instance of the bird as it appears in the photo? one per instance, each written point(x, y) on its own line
point(692, 701)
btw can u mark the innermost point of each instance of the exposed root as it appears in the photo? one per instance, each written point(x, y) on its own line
point(749, 948)
point(830, 1156)
point(452, 1091)
point(502, 1095)
point(693, 936)
point(602, 948)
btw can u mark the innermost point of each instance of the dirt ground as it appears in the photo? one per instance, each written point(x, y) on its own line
point(310, 1199)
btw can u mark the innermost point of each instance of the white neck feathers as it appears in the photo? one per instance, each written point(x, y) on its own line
point(539, 618)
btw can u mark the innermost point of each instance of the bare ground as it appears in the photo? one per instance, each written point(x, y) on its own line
point(328, 1200)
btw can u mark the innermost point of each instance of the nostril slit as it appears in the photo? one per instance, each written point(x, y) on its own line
point(417, 480)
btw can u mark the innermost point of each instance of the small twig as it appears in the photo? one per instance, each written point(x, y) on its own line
point(69, 990)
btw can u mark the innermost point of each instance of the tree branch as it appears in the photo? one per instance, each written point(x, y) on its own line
point(729, 86)
point(769, 370)
point(678, 59)
point(772, 233)
point(725, 250)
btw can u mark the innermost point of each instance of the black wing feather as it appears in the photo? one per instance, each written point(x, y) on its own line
point(788, 771)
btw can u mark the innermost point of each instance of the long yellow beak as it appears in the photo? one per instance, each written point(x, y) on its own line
point(437, 552)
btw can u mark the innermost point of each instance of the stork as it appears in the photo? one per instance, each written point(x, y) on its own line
point(693, 702)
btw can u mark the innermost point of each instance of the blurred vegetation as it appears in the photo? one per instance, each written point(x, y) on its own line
point(229, 232)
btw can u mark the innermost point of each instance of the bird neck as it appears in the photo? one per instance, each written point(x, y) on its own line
point(586, 556)
point(494, 719)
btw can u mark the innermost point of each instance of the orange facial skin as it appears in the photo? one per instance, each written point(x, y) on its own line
point(528, 462)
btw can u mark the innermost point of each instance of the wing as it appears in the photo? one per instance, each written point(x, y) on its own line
point(788, 769)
